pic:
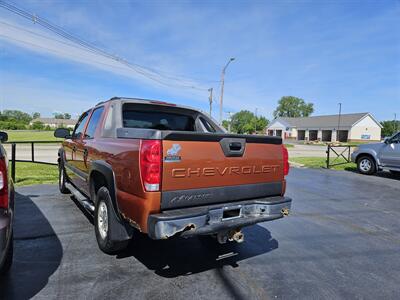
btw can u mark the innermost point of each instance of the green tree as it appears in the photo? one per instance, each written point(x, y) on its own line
point(390, 128)
point(12, 125)
point(36, 115)
point(37, 125)
point(225, 124)
point(58, 115)
point(293, 107)
point(15, 115)
point(245, 121)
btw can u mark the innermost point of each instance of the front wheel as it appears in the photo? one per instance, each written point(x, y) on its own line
point(366, 165)
point(102, 224)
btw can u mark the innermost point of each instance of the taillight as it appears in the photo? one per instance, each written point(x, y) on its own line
point(150, 164)
point(3, 184)
point(285, 160)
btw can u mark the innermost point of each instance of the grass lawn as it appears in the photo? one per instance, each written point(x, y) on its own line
point(320, 162)
point(289, 145)
point(30, 135)
point(31, 173)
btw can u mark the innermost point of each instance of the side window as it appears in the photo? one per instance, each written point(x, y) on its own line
point(78, 131)
point(396, 139)
point(93, 122)
point(207, 127)
point(108, 123)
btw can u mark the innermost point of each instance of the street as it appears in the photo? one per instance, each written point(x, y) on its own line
point(341, 241)
point(43, 152)
point(301, 150)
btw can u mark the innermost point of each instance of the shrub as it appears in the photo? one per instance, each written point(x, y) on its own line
point(37, 125)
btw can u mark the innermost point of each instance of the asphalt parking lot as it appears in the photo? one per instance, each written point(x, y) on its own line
point(341, 241)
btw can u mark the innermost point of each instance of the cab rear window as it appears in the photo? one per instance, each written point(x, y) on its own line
point(152, 117)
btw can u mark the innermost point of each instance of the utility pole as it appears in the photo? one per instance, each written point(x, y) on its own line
point(221, 100)
point(395, 122)
point(210, 99)
point(338, 126)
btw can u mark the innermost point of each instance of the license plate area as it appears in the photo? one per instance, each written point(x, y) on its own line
point(230, 213)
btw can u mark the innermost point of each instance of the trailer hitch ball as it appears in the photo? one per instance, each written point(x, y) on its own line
point(238, 237)
point(233, 235)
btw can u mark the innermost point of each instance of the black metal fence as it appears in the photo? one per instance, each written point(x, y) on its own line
point(336, 154)
point(13, 159)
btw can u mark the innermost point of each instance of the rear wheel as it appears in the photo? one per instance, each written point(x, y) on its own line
point(366, 165)
point(62, 179)
point(102, 224)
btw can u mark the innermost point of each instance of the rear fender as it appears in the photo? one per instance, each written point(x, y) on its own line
point(121, 231)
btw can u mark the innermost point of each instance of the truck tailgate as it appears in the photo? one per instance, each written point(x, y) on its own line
point(202, 169)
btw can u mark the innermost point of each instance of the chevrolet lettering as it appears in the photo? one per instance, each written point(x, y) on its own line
point(217, 171)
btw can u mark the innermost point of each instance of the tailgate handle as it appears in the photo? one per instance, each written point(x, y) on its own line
point(235, 146)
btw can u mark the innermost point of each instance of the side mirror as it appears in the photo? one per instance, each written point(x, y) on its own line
point(3, 136)
point(62, 133)
point(388, 140)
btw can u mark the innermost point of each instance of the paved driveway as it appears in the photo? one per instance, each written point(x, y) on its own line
point(341, 242)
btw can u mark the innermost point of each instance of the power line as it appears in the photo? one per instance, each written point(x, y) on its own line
point(149, 73)
point(94, 61)
point(55, 51)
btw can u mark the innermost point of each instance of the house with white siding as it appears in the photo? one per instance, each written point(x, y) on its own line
point(357, 127)
point(55, 123)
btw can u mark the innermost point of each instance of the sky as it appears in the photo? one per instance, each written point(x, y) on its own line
point(324, 52)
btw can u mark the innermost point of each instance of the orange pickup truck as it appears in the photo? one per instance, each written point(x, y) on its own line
point(169, 170)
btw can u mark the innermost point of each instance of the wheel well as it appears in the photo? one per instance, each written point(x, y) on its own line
point(97, 180)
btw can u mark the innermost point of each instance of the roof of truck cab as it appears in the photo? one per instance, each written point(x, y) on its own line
point(121, 100)
point(153, 102)
point(141, 100)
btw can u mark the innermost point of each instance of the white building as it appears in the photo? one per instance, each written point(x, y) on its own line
point(358, 127)
point(55, 123)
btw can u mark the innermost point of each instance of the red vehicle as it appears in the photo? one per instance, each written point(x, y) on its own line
point(6, 210)
point(169, 170)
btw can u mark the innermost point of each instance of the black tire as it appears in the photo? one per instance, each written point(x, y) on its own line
point(366, 165)
point(102, 224)
point(62, 179)
point(395, 173)
point(8, 258)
